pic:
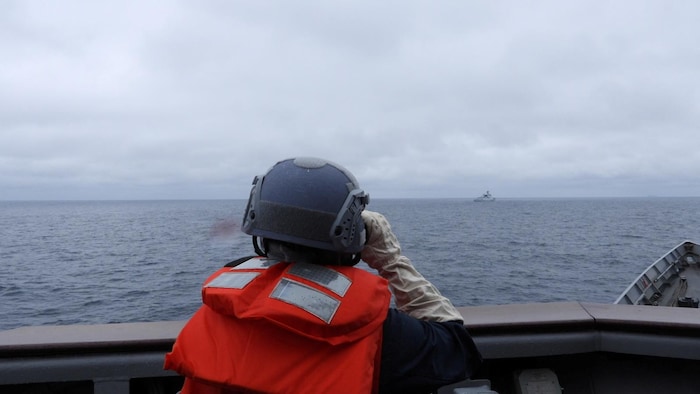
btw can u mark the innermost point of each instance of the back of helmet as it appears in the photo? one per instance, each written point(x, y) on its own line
point(309, 202)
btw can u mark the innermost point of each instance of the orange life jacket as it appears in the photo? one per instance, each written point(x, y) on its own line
point(276, 327)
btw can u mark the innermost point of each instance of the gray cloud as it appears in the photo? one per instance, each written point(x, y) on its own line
point(191, 99)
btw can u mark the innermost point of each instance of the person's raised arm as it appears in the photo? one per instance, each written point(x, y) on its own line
point(414, 294)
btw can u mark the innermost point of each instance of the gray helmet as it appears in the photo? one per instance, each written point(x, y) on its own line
point(308, 201)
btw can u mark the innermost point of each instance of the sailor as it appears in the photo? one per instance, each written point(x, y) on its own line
point(301, 318)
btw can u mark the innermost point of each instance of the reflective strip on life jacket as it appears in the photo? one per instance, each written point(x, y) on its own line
point(323, 276)
point(232, 280)
point(307, 298)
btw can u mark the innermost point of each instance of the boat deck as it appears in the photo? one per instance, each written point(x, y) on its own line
point(671, 281)
point(685, 284)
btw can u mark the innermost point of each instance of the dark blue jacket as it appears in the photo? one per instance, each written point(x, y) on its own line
point(420, 356)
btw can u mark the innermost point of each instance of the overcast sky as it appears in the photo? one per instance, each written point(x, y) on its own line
point(191, 99)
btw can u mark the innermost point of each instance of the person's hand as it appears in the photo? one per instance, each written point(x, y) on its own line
point(381, 246)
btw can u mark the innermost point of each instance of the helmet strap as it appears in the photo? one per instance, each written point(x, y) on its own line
point(258, 250)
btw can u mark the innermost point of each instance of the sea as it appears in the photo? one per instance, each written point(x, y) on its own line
point(94, 262)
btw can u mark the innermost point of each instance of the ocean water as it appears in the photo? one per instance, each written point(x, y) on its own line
point(136, 261)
